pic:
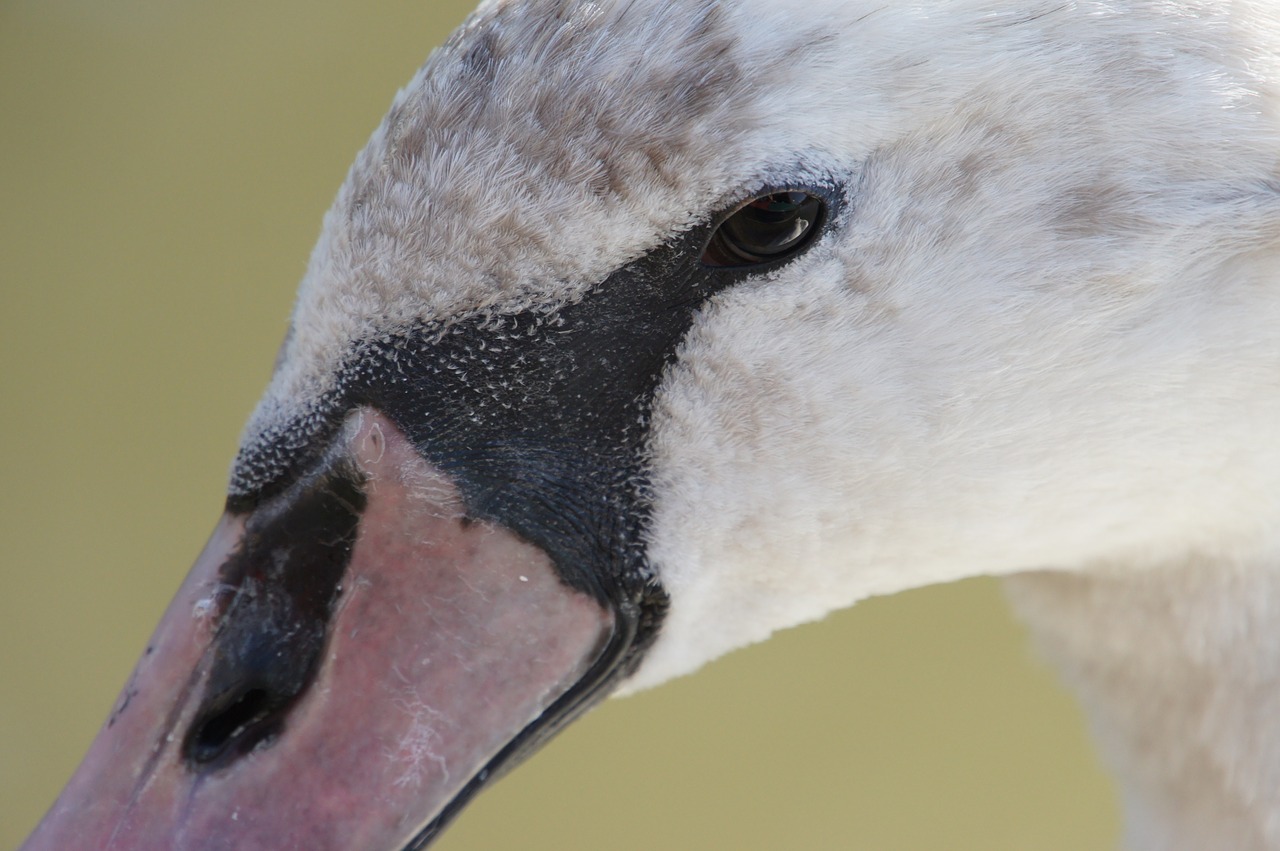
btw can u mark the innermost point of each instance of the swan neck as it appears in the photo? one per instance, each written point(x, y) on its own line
point(1177, 669)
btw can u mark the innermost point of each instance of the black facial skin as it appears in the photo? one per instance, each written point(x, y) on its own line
point(541, 420)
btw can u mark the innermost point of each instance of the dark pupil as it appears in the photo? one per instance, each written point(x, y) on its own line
point(770, 226)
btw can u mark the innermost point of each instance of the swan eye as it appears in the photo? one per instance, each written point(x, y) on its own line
point(768, 228)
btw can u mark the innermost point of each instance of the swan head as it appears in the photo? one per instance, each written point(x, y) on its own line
point(1023, 325)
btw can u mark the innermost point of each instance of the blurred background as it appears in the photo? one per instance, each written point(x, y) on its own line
point(163, 170)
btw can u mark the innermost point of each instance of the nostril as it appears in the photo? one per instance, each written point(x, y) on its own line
point(265, 656)
point(237, 728)
point(267, 643)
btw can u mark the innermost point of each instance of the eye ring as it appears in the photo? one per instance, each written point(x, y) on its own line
point(765, 229)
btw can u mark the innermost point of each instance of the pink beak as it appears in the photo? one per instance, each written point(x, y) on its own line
point(343, 667)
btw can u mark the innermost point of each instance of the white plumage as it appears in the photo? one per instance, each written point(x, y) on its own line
point(1044, 337)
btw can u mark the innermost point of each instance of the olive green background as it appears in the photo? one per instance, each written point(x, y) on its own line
point(163, 170)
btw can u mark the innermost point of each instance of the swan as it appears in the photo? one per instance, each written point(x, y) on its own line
point(641, 331)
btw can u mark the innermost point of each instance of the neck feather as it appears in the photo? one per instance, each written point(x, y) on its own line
point(1178, 668)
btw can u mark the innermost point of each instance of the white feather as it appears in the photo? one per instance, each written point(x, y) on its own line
point(1045, 336)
